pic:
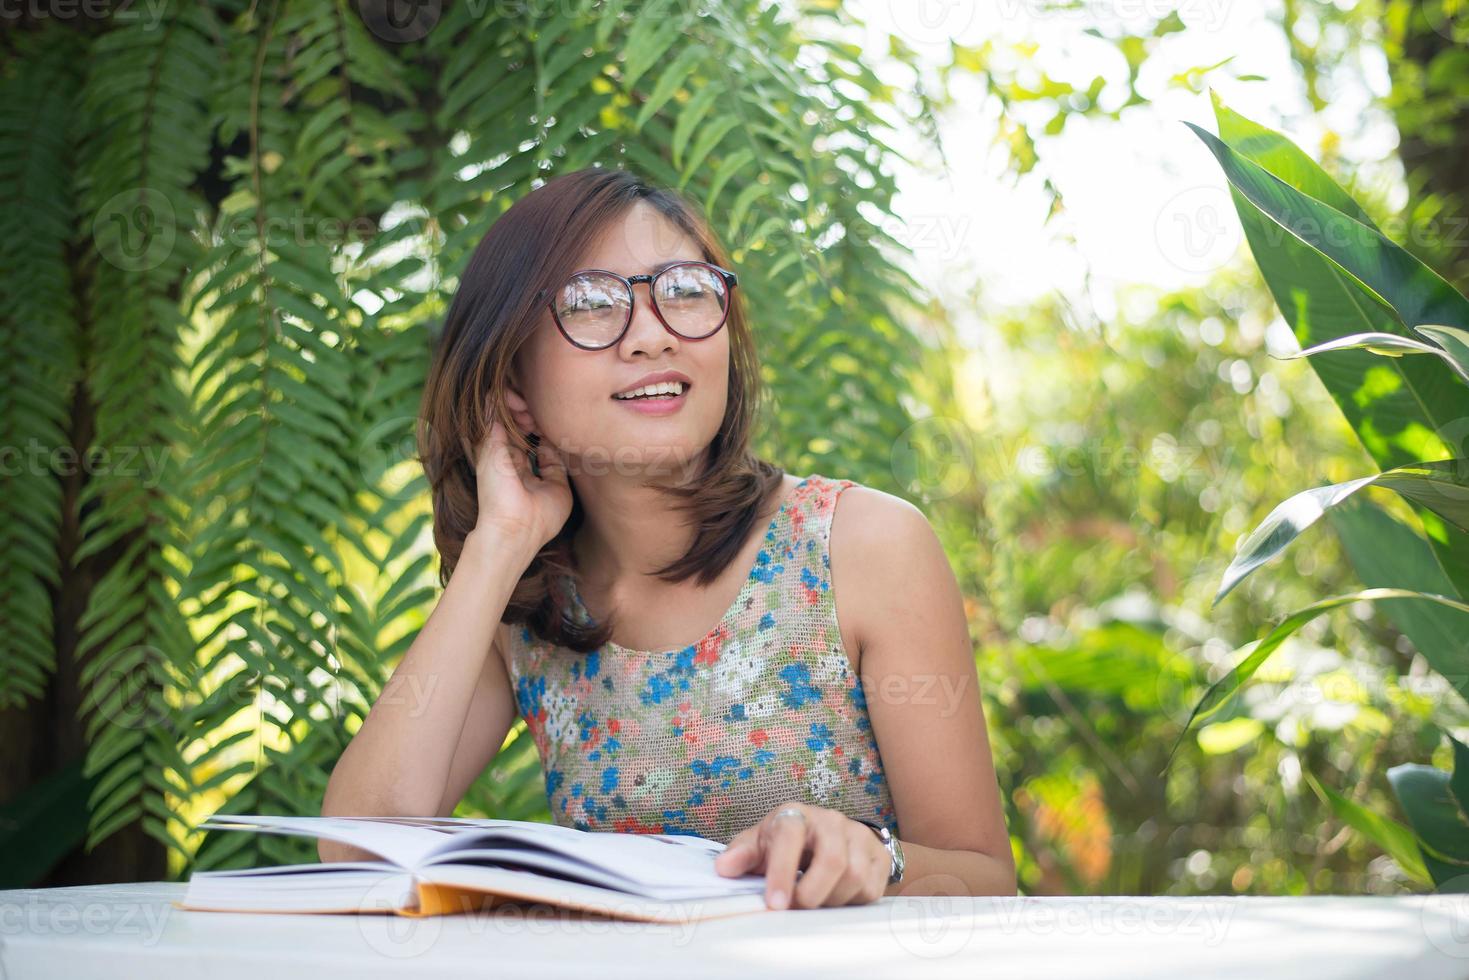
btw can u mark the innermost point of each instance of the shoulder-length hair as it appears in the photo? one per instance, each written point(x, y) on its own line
point(526, 254)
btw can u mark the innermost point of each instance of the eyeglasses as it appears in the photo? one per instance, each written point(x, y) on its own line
point(594, 308)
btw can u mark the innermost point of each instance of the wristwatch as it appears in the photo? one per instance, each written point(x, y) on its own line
point(894, 849)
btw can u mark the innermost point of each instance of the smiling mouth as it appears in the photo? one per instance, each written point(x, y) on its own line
point(665, 392)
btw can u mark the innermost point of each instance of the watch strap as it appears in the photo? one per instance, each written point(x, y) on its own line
point(895, 866)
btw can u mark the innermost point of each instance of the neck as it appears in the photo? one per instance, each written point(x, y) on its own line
point(628, 530)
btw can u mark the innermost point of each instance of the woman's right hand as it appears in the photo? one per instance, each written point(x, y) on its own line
point(513, 501)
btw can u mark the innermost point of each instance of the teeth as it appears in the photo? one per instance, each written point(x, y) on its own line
point(662, 388)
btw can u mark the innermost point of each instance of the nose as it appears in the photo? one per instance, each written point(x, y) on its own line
point(646, 332)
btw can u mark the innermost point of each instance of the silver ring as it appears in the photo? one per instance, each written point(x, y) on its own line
point(791, 810)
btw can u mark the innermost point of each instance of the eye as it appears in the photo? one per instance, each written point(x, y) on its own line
point(597, 303)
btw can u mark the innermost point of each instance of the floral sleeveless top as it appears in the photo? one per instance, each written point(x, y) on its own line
point(709, 738)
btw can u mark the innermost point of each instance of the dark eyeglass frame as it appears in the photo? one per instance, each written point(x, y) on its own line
point(730, 281)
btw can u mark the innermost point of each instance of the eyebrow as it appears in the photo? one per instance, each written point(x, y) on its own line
point(671, 262)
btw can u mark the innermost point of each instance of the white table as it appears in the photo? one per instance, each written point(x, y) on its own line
point(132, 931)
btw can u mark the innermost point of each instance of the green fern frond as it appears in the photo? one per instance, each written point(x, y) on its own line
point(146, 142)
point(38, 331)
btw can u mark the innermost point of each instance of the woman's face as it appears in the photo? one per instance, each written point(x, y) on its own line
point(566, 393)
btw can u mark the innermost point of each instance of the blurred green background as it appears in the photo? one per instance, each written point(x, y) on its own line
point(989, 270)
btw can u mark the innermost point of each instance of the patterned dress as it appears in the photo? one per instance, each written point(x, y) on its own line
point(709, 738)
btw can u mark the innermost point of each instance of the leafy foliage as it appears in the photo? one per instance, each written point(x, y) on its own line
point(262, 209)
point(1345, 287)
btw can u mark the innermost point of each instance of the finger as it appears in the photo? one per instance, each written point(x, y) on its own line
point(744, 846)
point(742, 854)
point(548, 456)
point(496, 451)
point(549, 466)
point(858, 886)
point(734, 848)
point(489, 438)
point(829, 862)
point(784, 843)
point(489, 447)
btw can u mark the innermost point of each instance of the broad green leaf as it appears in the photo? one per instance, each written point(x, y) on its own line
point(1438, 820)
point(1395, 839)
point(1389, 554)
point(1385, 345)
point(1455, 343)
point(1442, 486)
point(1415, 292)
point(1282, 158)
point(1386, 289)
point(1459, 784)
point(1223, 689)
point(41, 824)
point(1402, 409)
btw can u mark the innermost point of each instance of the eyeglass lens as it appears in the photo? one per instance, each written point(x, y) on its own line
point(593, 307)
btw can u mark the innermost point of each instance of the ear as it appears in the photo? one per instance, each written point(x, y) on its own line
point(513, 396)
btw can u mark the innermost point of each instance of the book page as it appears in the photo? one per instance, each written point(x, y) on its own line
point(401, 844)
point(675, 865)
point(644, 862)
point(321, 871)
point(566, 868)
point(528, 886)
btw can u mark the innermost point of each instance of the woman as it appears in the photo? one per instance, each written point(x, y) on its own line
point(585, 432)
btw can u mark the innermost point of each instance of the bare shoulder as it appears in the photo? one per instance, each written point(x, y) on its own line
point(871, 502)
point(872, 521)
point(882, 548)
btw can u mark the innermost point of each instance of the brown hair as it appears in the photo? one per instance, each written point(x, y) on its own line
point(528, 252)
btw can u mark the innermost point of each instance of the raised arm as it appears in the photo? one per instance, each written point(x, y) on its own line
point(443, 715)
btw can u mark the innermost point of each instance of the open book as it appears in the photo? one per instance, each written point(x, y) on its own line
point(444, 865)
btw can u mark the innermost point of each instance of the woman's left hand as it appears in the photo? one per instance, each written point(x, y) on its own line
point(848, 864)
